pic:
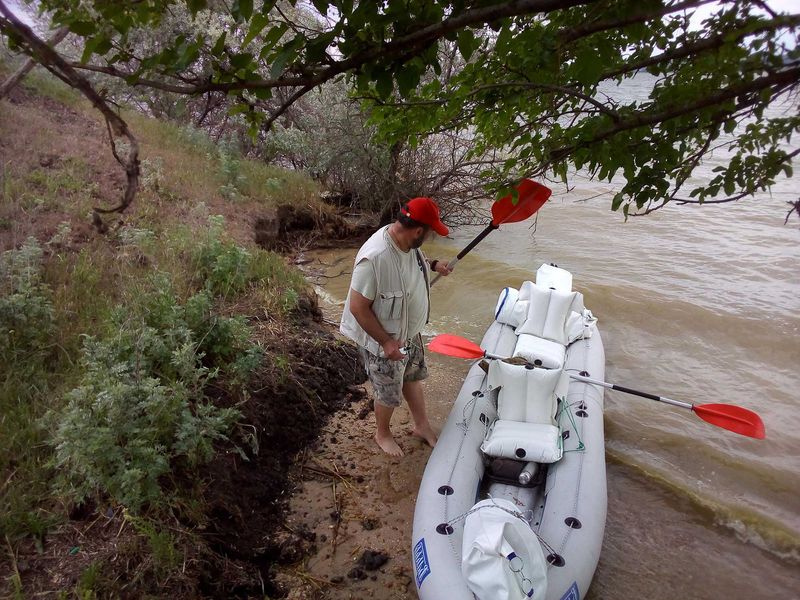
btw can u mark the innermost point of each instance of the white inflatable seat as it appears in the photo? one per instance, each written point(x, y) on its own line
point(502, 557)
point(541, 352)
point(526, 394)
point(527, 402)
point(548, 310)
point(551, 276)
point(523, 441)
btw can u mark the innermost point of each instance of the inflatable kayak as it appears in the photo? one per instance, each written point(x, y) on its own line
point(512, 503)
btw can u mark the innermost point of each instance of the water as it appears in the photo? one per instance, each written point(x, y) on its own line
point(700, 304)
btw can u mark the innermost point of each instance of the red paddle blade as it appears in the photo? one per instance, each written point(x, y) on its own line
point(453, 345)
point(531, 198)
point(733, 418)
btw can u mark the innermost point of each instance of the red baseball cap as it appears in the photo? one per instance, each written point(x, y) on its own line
point(425, 211)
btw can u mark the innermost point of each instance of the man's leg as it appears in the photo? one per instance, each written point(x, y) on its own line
point(412, 391)
point(383, 433)
point(386, 377)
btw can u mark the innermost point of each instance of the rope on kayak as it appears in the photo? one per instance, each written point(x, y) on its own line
point(565, 408)
point(466, 413)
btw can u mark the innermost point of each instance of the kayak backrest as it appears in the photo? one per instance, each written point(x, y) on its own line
point(547, 311)
point(526, 394)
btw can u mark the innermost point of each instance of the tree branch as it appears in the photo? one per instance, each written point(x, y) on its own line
point(53, 62)
point(10, 83)
point(705, 45)
point(398, 49)
point(779, 80)
point(577, 33)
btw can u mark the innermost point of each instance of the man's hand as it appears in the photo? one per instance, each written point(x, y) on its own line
point(391, 349)
point(442, 268)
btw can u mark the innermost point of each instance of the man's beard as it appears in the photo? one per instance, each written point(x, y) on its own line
point(419, 240)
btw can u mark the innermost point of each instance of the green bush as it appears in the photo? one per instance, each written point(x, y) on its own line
point(222, 266)
point(141, 405)
point(27, 355)
point(26, 312)
point(121, 429)
point(230, 167)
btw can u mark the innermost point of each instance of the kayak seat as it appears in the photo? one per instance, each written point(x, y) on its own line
point(540, 352)
point(523, 441)
point(527, 401)
point(546, 313)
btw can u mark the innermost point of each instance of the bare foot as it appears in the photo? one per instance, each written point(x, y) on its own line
point(426, 434)
point(388, 445)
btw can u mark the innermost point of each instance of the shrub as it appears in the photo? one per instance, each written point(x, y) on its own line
point(26, 312)
point(222, 266)
point(141, 406)
point(230, 167)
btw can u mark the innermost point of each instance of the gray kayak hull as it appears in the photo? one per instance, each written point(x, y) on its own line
point(568, 509)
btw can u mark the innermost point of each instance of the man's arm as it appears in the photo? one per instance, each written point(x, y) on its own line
point(361, 307)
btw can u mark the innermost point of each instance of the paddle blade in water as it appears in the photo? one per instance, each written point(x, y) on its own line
point(531, 197)
point(453, 345)
point(733, 418)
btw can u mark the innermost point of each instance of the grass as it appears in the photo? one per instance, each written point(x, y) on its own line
point(86, 282)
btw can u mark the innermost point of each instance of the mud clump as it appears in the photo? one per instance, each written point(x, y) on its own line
point(371, 560)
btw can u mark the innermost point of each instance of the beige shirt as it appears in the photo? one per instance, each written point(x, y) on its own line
point(364, 282)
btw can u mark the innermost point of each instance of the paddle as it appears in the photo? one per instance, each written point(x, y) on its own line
point(531, 196)
point(727, 416)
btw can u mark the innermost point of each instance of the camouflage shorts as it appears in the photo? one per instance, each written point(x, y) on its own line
point(388, 376)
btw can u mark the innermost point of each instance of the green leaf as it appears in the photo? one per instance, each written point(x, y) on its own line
point(190, 53)
point(587, 65)
point(219, 45)
point(99, 44)
point(196, 6)
point(467, 43)
point(316, 47)
point(242, 10)
point(82, 28)
point(407, 79)
point(284, 57)
point(321, 6)
point(257, 24)
point(383, 84)
point(240, 61)
point(238, 109)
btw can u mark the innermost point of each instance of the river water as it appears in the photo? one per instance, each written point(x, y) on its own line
point(700, 304)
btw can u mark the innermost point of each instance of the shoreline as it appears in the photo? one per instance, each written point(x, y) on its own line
point(356, 502)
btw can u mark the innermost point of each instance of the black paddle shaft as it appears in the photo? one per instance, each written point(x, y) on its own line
point(620, 388)
point(489, 229)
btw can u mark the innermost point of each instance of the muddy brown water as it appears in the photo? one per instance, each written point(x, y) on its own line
point(694, 304)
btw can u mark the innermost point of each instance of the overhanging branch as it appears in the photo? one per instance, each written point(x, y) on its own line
point(53, 62)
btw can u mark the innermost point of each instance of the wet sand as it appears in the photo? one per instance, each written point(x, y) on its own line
point(352, 498)
point(355, 498)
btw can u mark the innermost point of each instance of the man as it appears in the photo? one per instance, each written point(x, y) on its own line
point(387, 306)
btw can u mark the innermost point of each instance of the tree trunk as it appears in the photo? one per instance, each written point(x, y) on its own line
point(10, 83)
point(389, 211)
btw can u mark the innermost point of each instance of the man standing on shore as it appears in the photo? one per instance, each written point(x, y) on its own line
point(387, 306)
